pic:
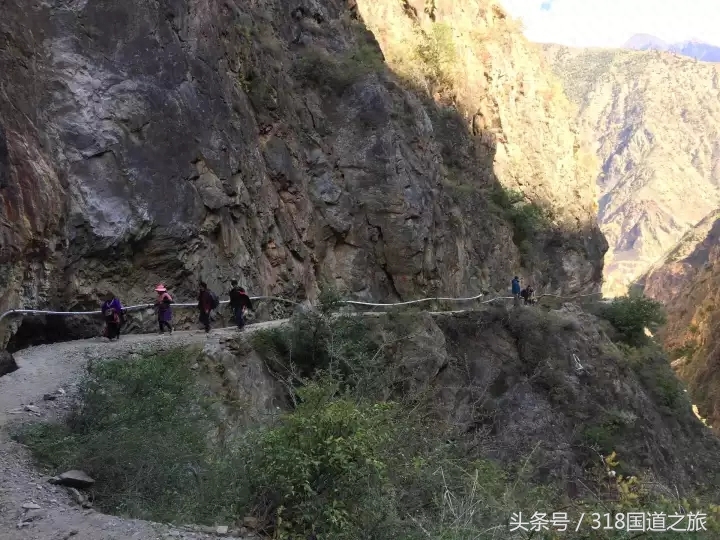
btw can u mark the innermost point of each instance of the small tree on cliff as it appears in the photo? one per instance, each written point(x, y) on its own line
point(630, 315)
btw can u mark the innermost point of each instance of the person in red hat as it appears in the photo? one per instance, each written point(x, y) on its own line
point(162, 306)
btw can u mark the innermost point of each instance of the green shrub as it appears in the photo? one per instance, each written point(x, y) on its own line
point(657, 377)
point(142, 432)
point(630, 315)
point(322, 468)
point(349, 468)
point(603, 435)
point(526, 218)
point(300, 349)
point(322, 341)
point(338, 72)
point(686, 350)
point(437, 55)
point(506, 198)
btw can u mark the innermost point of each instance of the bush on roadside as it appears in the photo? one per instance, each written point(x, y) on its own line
point(322, 469)
point(141, 431)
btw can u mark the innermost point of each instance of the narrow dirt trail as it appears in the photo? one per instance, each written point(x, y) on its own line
point(45, 370)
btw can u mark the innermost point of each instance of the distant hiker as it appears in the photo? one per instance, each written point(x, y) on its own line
point(516, 286)
point(207, 301)
point(239, 303)
point(162, 306)
point(516, 290)
point(529, 295)
point(112, 311)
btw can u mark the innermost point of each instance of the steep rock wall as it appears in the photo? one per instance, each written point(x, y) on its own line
point(191, 139)
point(688, 283)
point(697, 249)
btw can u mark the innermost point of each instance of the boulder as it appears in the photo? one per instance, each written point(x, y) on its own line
point(75, 479)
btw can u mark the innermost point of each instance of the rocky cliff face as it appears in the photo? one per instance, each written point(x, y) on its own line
point(695, 252)
point(186, 139)
point(688, 283)
point(656, 122)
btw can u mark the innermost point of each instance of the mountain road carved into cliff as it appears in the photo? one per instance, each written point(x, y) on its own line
point(53, 370)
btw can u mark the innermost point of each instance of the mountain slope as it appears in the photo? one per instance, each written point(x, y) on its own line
point(486, 391)
point(688, 282)
point(692, 48)
point(271, 142)
point(668, 277)
point(655, 118)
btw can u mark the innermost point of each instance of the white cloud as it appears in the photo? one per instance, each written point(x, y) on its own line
point(607, 23)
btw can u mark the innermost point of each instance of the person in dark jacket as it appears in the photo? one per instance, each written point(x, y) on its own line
point(205, 305)
point(516, 290)
point(516, 286)
point(162, 306)
point(529, 296)
point(112, 311)
point(239, 303)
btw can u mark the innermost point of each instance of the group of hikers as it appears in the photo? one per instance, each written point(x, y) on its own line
point(114, 313)
point(527, 293)
point(208, 301)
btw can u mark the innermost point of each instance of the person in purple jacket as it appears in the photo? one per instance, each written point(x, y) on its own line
point(112, 311)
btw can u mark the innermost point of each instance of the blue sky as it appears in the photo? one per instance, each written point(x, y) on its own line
point(609, 23)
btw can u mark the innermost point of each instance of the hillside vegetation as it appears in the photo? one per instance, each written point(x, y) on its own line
point(655, 121)
point(399, 426)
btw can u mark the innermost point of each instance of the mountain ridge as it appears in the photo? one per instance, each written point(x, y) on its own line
point(693, 48)
point(655, 120)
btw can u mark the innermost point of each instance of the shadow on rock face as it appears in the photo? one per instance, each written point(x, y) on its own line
point(380, 181)
point(7, 363)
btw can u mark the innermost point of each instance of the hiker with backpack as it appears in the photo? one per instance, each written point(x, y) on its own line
point(207, 301)
point(239, 303)
point(529, 295)
point(112, 311)
point(163, 309)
